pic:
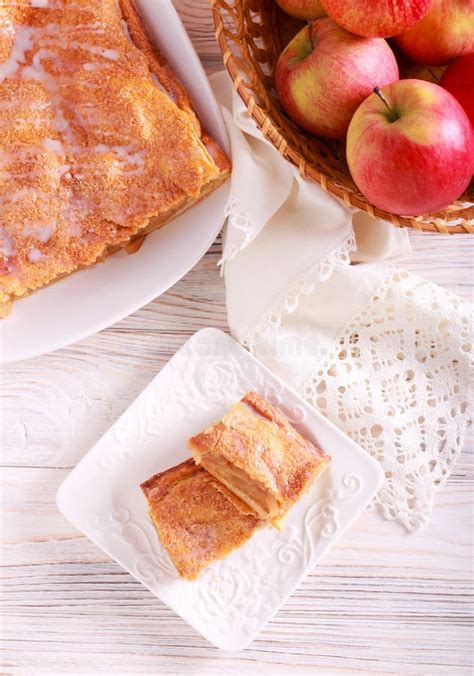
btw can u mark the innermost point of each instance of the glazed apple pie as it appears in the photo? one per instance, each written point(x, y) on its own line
point(259, 456)
point(198, 520)
point(99, 141)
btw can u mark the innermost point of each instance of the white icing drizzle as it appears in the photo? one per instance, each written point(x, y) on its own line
point(7, 244)
point(29, 105)
point(22, 194)
point(91, 67)
point(29, 156)
point(111, 54)
point(34, 255)
point(39, 3)
point(21, 44)
point(53, 145)
point(39, 231)
point(127, 156)
point(36, 71)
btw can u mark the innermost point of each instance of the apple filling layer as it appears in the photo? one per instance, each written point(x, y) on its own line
point(255, 495)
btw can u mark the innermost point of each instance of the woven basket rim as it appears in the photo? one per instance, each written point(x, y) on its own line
point(287, 149)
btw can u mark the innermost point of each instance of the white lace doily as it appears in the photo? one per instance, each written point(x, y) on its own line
point(398, 382)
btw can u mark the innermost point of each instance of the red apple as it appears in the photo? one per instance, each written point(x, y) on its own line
point(302, 9)
point(458, 79)
point(325, 73)
point(376, 19)
point(410, 149)
point(446, 32)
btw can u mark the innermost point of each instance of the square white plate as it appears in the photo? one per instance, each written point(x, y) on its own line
point(233, 599)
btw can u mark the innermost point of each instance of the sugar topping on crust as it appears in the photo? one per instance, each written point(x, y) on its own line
point(197, 519)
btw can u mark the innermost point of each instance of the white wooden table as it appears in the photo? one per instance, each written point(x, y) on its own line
point(382, 600)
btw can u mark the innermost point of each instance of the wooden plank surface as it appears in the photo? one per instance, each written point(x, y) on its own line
point(382, 601)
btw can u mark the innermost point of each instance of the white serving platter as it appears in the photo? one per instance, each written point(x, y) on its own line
point(90, 300)
point(233, 599)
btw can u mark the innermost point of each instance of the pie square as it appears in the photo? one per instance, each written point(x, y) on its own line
point(256, 452)
point(198, 520)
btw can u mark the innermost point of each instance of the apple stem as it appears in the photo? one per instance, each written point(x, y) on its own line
point(382, 97)
point(309, 23)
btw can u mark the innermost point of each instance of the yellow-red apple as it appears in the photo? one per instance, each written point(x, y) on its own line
point(444, 33)
point(458, 79)
point(410, 148)
point(302, 9)
point(376, 18)
point(325, 73)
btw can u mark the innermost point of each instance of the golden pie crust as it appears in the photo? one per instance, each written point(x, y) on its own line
point(259, 456)
point(198, 520)
point(99, 141)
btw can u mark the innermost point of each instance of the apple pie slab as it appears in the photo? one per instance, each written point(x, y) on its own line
point(105, 293)
point(234, 598)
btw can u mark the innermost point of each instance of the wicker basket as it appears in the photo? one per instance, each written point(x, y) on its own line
point(251, 35)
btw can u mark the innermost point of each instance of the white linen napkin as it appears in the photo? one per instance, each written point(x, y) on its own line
point(312, 293)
